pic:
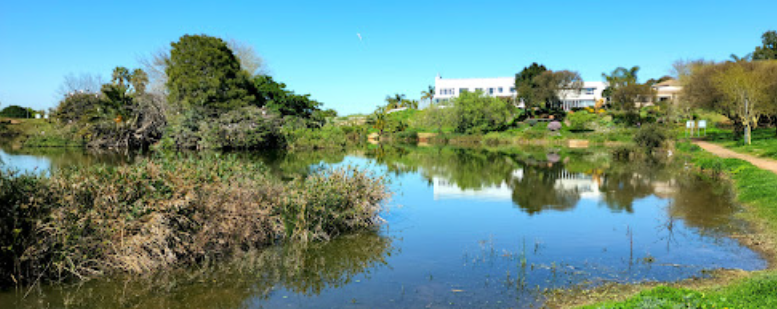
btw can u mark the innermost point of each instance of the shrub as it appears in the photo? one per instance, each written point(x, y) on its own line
point(477, 113)
point(328, 136)
point(650, 136)
point(244, 128)
point(582, 120)
point(168, 211)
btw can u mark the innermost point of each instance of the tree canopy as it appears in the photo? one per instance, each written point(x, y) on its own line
point(203, 72)
point(768, 48)
point(741, 91)
point(525, 84)
point(16, 111)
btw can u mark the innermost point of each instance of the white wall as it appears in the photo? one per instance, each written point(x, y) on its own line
point(448, 88)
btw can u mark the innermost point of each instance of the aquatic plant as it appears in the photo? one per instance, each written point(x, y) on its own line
point(168, 211)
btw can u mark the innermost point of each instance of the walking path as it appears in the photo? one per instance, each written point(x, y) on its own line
point(720, 151)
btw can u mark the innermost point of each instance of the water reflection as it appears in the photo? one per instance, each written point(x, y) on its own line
point(303, 269)
point(477, 228)
point(51, 159)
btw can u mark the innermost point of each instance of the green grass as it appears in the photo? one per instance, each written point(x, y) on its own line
point(764, 141)
point(755, 188)
point(759, 291)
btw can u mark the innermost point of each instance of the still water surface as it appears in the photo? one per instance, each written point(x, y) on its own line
point(466, 228)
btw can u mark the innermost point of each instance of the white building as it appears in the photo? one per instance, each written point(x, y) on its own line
point(449, 88)
point(504, 87)
point(668, 90)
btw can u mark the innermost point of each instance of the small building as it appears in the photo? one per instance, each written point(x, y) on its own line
point(668, 90)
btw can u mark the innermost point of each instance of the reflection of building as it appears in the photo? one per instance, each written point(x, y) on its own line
point(443, 189)
point(504, 87)
point(585, 185)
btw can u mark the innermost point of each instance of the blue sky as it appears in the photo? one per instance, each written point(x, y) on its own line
point(312, 46)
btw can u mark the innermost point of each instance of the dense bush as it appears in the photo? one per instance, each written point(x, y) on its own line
point(478, 113)
point(328, 136)
point(650, 137)
point(581, 121)
point(15, 111)
point(167, 211)
point(248, 127)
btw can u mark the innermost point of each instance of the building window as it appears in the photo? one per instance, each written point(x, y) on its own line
point(490, 90)
point(512, 89)
point(463, 90)
point(589, 91)
point(500, 89)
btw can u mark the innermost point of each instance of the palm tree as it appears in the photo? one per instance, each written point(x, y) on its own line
point(395, 101)
point(120, 75)
point(138, 80)
point(428, 94)
point(380, 119)
point(745, 58)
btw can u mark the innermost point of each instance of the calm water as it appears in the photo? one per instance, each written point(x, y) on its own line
point(466, 228)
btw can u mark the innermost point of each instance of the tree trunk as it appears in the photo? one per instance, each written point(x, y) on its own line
point(747, 134)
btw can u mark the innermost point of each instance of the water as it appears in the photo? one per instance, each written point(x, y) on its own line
point(466, 228)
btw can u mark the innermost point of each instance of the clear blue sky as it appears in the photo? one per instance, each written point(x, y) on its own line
point(312, 45)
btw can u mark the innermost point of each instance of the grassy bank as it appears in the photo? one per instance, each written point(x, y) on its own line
point(756, 189)
point(168, 211)
point(764, 143)
point(36, 133)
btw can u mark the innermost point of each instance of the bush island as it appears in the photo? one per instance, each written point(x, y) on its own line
point(168, 211)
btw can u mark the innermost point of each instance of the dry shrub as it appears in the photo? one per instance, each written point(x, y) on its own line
point(170, 211)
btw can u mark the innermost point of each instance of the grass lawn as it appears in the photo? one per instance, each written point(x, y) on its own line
point(764, 142)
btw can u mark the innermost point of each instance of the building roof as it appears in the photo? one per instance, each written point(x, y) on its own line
point(669, 83)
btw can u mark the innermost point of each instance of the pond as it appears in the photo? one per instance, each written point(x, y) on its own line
point(486, 228)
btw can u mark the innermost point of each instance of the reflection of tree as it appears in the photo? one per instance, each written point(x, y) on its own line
point(699, 205)
point(626, 182)
point(537, 190)
point(307, 269)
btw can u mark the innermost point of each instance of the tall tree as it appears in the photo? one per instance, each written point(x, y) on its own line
point(741, 91)
point(525, 85)
point(624, 92)
point(551, 85)
point(203, 72)
point(139, 80)
point(286, 102)
point(120, 75)
point(768, 48)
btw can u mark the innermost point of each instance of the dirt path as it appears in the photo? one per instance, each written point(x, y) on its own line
point(720, 151)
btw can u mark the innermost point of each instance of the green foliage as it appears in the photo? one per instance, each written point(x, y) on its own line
point(248, 127)
point(478, 113)
point(525, 84)
point(581, 120)
point(650, 137)
point(768, 49)
point(286, 102)
point(326, 137)
point(204, 73)
point(168, 211)
point(15, 111)
point(121, 115)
